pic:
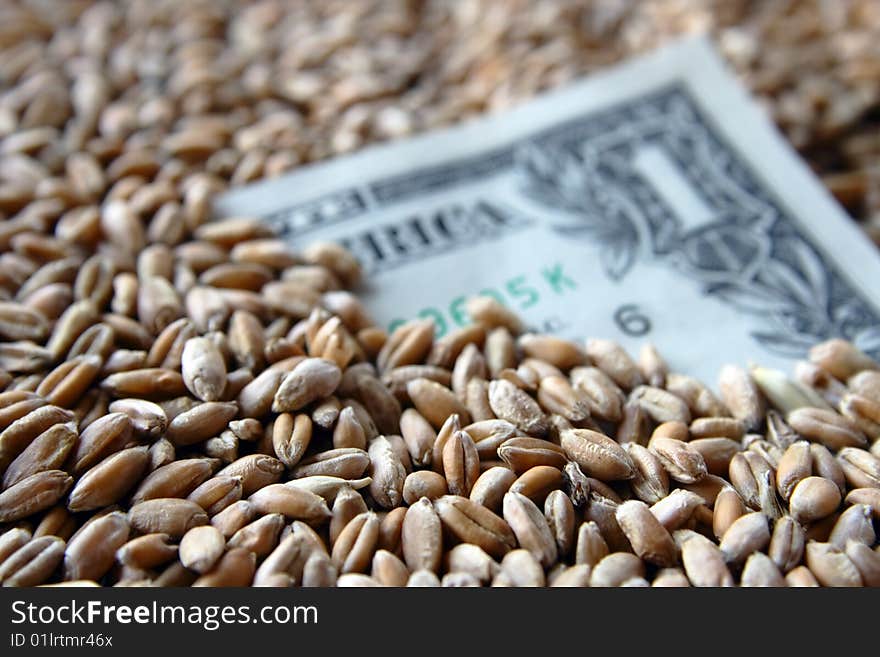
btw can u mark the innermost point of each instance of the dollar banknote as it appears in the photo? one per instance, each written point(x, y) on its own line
point(654, 202)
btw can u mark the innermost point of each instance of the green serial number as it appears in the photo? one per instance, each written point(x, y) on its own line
point(520, 293)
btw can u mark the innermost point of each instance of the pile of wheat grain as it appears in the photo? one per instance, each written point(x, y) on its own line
point(192, 402)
